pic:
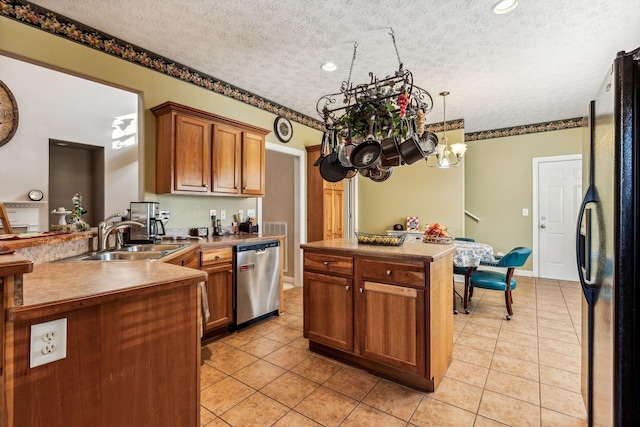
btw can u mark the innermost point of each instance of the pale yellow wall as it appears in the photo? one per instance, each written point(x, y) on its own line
point(499, 185)
point(23, 42)
point(494, 181)
point(434, 195)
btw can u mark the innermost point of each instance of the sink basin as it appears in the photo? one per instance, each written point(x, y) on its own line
point(121, 256)
point(151, 247)
point(146, 251)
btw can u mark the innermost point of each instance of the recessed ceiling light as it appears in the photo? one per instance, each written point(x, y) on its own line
point(329, 66)
point(504, 6)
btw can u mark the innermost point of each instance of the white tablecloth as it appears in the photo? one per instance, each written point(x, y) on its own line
point(469, 254)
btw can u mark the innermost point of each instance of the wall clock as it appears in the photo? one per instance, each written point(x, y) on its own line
point(283, 129)
point(8, 114)
point(35, 195)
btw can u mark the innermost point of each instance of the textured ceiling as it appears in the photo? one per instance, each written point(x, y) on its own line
point(542, 62)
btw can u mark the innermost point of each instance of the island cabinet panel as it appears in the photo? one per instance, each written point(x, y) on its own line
point(389, 314)
point(391, 321)
point(331, 264)
point(328, 317)
point(202, 153)
point(396, 273)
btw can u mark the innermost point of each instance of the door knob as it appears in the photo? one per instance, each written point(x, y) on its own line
point(347, 287)
point(543, 226)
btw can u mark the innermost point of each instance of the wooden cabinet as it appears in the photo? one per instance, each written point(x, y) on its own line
point(201, 153)
point(330, 312)
point(375, 313)
point(218, 265)
point(325, 203)
point(392, 325)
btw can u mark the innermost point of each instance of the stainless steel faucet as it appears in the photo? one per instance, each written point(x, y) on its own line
point(104, 230)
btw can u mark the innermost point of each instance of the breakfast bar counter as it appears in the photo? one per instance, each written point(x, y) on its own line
point(125, 346)
point(387, 309)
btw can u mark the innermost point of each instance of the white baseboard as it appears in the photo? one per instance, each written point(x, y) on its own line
point(289, 283)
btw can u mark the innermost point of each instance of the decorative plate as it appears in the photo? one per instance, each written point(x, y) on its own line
point(283, 129)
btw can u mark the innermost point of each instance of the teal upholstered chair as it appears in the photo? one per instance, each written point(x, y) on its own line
point(500, 281)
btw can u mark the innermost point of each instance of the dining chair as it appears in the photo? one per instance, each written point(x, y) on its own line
point(499, 281)
point(462, 271)
point(4, 219)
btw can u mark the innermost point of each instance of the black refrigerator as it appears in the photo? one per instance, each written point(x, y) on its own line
point(608, 243)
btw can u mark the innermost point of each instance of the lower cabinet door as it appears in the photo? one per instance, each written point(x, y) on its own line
point(391, 326)
point(328, 310)
point(220, 296)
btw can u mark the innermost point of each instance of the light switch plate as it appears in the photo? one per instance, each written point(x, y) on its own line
point(48, 342)
point(223, 214)
point(525, 212)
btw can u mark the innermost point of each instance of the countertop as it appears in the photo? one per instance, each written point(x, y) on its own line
point(55, 287)
point(415, 251)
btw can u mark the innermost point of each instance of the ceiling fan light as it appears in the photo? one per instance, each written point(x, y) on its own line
point(329, 66)
point(504, 6)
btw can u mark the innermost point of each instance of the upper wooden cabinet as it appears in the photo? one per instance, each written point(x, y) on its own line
point(201, 153)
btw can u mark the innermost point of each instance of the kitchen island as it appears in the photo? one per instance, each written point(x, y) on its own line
point(384, 308)
point(132, 343)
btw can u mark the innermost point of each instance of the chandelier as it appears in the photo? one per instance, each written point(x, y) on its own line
point(377, 126)
point(445, 156)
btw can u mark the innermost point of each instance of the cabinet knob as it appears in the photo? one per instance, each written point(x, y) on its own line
point(218, 257)
point(205, 185)
point(360, 290)
point(326, 262)
point(388, 272)
point(230, 271)
point(347, 287)
point(235, 188)
point(244, 188)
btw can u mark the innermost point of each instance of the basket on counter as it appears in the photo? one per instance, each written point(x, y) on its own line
point(380, 239)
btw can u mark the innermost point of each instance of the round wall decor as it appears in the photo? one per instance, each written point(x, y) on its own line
point(8, 114)
point(283, 129)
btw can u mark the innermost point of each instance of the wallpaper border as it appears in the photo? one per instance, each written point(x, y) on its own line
point(41, 18)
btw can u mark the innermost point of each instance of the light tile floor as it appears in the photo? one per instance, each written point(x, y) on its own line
point(522, 372)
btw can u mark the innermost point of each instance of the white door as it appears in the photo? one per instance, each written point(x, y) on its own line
point(559, 196)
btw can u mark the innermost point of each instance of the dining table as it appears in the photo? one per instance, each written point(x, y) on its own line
point(468, 255)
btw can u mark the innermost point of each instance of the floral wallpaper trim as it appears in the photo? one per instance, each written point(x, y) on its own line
point(45, 20)
point(39, 17)
point(525, 129)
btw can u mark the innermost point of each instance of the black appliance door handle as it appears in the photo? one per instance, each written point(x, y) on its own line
point(587, 285)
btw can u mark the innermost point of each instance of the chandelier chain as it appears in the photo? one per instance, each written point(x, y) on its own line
point(353, 60)
point(393, 38)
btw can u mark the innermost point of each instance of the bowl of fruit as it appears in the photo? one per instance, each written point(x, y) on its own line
point(437, 233)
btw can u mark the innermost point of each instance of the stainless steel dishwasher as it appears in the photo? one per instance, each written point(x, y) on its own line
point(257, 280)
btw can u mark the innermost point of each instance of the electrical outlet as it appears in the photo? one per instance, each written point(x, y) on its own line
point(251, 213)
point(223, 214)
point(213, 214)
point(48, 342)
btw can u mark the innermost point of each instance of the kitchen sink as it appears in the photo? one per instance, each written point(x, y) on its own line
point(121, 256)
point(145, 251)
point(151, 247)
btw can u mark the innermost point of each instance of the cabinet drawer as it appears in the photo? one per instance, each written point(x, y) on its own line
point(216, 256)
point(391, 272)
point(328, 264)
